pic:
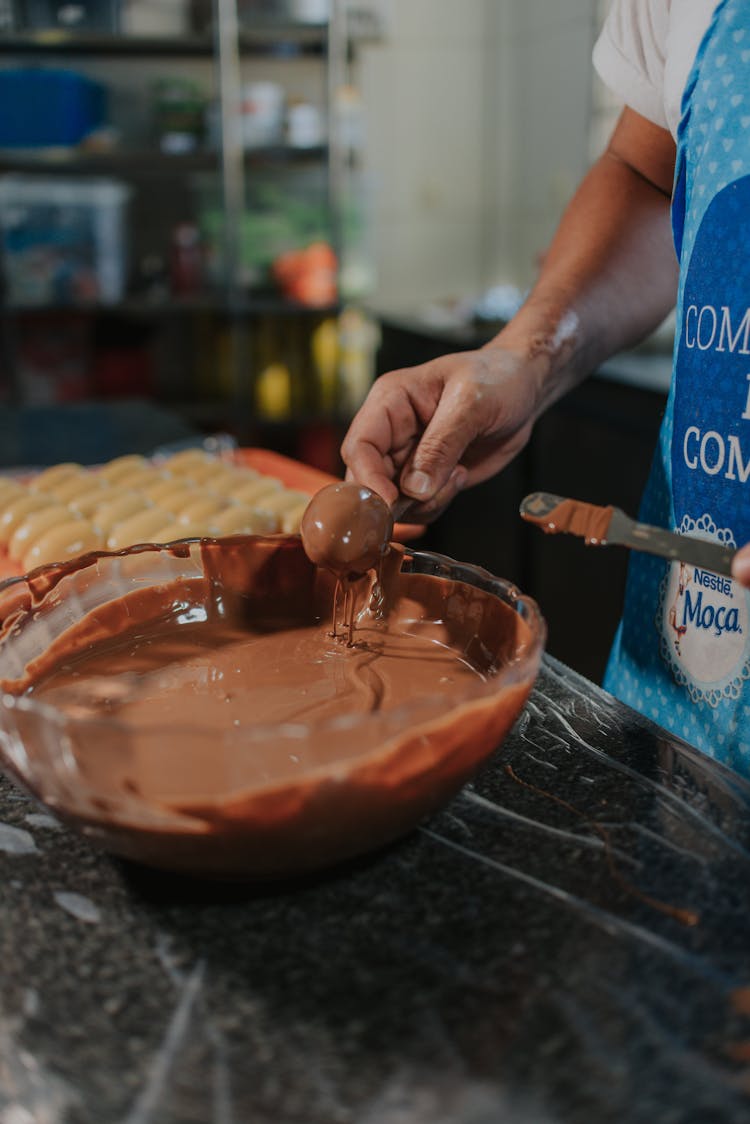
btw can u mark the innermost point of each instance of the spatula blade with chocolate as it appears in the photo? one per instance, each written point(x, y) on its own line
point(603, 526)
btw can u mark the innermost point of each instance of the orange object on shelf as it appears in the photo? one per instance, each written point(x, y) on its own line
point(309, 275)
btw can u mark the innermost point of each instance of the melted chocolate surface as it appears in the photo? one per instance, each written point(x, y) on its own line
point(226, 699)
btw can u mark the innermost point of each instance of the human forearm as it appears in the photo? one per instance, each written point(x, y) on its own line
point(610, 275)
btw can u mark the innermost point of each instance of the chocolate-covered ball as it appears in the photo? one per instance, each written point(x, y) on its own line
point(346, 529)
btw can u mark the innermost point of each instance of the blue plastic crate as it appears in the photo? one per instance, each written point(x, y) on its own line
point(63, 239)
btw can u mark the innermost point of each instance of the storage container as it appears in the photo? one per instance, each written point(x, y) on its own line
point(9, 16)
point(63, 240)
point(262, 113)
point(285, 11)
point(155, 17)
point(48, 108)
point(83, 15)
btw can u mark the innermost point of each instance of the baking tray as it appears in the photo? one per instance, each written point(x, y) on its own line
point(292, 474)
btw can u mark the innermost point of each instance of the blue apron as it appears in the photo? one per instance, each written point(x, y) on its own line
point(682, 652)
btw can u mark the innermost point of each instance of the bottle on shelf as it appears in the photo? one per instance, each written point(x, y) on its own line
point(186, 260)
point(326, 354)
point(358, 338)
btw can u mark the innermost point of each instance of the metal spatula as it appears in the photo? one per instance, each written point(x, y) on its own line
point(602, 526)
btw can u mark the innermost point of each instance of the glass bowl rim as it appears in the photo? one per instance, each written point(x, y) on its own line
point(519, 669)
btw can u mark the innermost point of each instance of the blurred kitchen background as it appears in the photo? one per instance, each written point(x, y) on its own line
point(231, 215)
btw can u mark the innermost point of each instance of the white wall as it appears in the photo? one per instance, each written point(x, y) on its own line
point(478, 114)
point(546, 53)
point(423, 91)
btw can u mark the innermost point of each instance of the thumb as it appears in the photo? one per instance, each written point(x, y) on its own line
point(741, 566)
point(443, 443)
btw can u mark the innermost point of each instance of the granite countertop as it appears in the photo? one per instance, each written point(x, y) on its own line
point(525, 956)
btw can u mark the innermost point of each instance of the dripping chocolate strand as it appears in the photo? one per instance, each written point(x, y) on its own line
point(350, 615)
point(336, 596)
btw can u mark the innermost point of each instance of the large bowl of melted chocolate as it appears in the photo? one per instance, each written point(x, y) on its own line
point(198, 707)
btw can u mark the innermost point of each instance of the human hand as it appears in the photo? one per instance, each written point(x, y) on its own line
point(741, 566)
point(424, 433)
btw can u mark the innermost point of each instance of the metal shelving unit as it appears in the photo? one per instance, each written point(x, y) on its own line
point(226, 46)
point(269, 39)
point(150, 308)
point(149, 161)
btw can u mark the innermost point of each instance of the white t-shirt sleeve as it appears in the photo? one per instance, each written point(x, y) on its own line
point(630, 55)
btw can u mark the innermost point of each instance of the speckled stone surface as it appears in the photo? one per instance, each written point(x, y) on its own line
point(514, 959)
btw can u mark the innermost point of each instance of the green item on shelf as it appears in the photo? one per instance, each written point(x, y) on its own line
point(264, 236)
point(179, 107)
